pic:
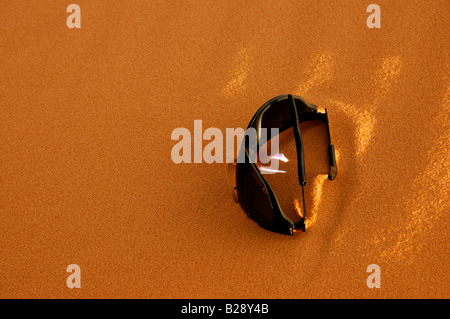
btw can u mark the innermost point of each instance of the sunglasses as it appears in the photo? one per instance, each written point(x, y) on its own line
point(254, 194)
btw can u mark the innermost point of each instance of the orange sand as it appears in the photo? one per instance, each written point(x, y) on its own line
point(86, 175)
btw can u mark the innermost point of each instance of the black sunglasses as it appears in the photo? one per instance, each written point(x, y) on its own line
point(254, 193)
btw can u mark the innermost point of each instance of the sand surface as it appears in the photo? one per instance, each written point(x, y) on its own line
point(87, 178)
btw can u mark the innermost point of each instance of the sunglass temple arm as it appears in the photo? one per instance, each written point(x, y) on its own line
point(300, 152)
point(331, 153)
